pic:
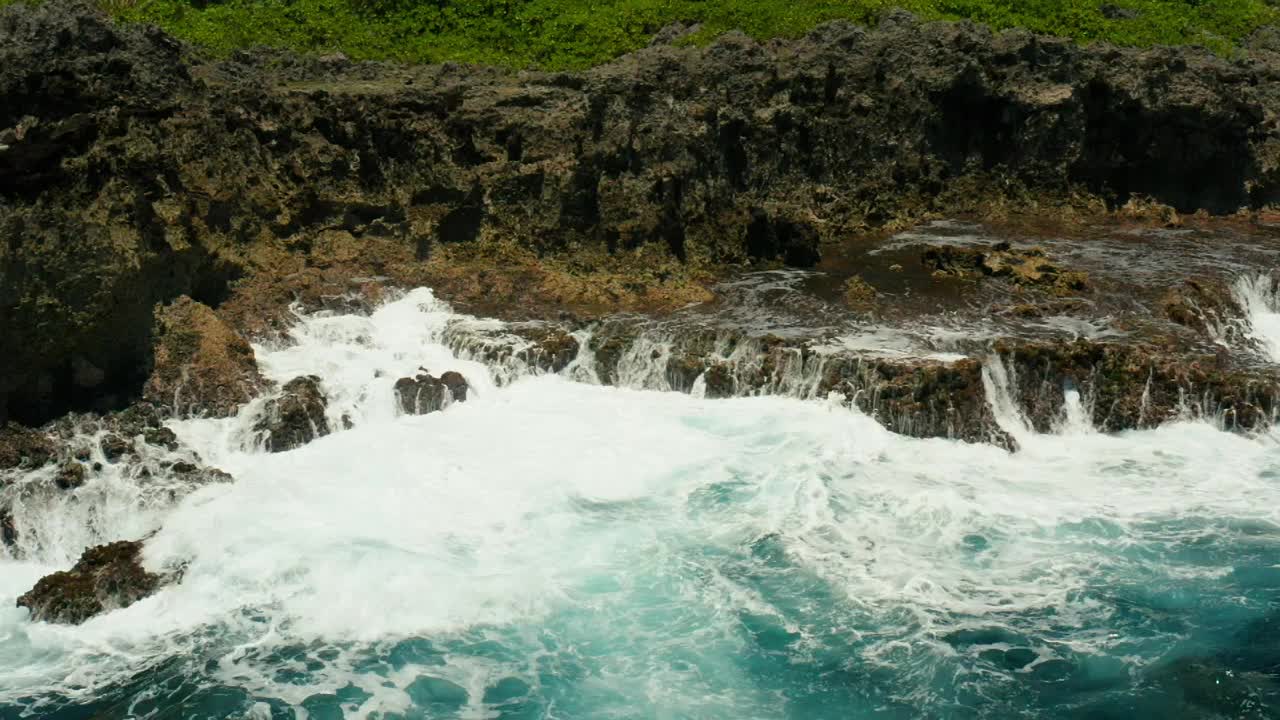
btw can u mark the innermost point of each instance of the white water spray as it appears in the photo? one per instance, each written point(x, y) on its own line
point(1259, 295)
point(606, 547)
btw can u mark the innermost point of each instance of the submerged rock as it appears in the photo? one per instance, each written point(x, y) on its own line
point(1022, 266)
point(107, 577)
point(425, 393)
point(296, 416)
point(202, 366)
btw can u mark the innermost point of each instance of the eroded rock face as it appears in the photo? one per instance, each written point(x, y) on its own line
point(426, 393)
point(74, 89)
point(203, 368)
point(125, 182)
point(107, 577)
point(1137, 385)
point(296, 416)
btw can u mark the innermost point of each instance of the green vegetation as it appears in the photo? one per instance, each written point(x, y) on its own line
point(566, 34)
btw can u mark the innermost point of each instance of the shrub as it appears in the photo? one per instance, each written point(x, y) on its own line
point(566, 34)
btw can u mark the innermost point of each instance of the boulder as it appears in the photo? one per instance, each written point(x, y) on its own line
point(107, 577)
point(70, 476)
point(22, 447)
point(202, 366)
point(115, 447)
point(426, 393)
point(296, 416)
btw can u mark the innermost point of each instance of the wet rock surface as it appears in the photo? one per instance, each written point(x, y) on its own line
point(107, 577)
point(1025, 266)
point(80, 456)
point(295, 416)
point(22, 447)
point(1156, 333)
point(424, 393)
point(135, 172)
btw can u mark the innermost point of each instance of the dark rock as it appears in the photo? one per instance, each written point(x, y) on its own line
point(1219, 690)
point(673, 32)
point(115, 447)
point(456, 384)
point(1115, 12)
point(719, 380)
point(296, 416)
point(8, 531)
point(1138, 385)
point(608, 348)
point(24, 448)
point(161, 437)
point(71, 80)
point(202, 366)
point(545, 347)
point(1202, 305)
point(553, 348)
point(107, 577)
point(425, 393)
point(70, 476)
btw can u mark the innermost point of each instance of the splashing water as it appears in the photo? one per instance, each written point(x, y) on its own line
point(557, 549)
point(1259, 295)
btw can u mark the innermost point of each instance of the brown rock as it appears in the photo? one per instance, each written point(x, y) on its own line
point(23, 447)
point(115, 447)
point(1202, 305)
point(296, 416)
point(202, 366)
point(70, 476)
point(161, 437)
point(107, 577)
point(1022, 266)
point(427, 394)
point(858, 294)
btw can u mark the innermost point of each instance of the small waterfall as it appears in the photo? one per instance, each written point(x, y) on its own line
point(1259, 296)
point(643, 366)
point(583, 366)
point(117, 498)
point(1077, 413)
point(1000, 381)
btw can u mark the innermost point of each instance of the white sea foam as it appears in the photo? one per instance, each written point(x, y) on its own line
point(607, 527)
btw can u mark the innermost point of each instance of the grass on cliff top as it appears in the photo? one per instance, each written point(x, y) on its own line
point(570, 34)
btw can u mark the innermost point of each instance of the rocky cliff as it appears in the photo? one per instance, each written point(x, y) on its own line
point(134, 171)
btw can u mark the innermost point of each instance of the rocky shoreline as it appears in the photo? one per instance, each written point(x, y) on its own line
point(734, 220)
point(135, 171)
